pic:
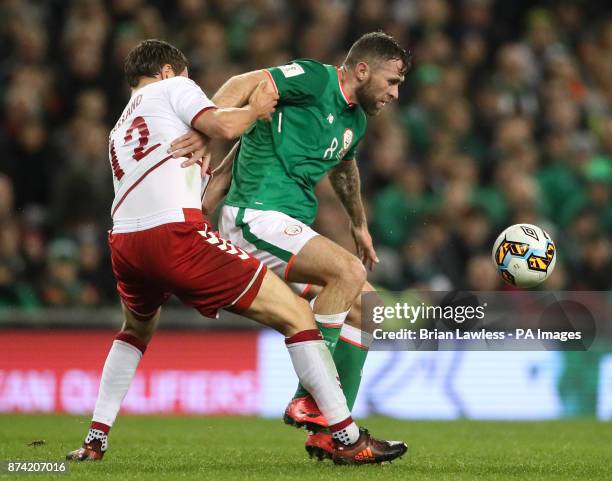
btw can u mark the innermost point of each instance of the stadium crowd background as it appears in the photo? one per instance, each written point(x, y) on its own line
point(506, 117)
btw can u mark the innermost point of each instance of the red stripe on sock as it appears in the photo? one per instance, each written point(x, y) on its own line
point(302, 336)
point(365, 348)
point(100, 426)
point(132, 340)
point(341, 425)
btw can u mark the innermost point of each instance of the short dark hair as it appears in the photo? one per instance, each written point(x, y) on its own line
point(148, 58)
point(376, 46)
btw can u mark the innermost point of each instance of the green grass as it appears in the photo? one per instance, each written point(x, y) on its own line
point(231, 448)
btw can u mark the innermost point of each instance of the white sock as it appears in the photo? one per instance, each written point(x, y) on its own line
point(348, 434)
point(99, 435)
point(316, 371)
point(119, 370)
point(354, 335)
point(329, 320)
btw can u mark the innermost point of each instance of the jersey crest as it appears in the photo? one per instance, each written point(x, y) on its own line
point(347, 140)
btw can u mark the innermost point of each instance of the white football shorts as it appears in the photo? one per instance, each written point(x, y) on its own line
point(268, 235)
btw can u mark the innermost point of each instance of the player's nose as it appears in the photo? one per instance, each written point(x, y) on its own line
point(394, 92)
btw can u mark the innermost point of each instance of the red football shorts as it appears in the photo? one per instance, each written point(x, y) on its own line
point(186, 259)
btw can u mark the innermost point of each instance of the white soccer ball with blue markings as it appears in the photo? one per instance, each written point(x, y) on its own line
point(524, 255)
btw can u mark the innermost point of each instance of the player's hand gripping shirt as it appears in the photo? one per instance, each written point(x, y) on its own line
point(314, 128)
point(151, 188)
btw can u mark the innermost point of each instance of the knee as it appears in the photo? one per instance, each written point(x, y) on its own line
point(348, 270)
point(302, 317)
point(355, 273)
point(299, 317)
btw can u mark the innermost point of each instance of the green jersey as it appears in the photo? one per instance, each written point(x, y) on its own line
point(314, 128)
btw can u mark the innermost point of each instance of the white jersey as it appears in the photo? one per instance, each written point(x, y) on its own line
point(151, 188)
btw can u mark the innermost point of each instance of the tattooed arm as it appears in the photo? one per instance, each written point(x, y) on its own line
point(347, 184)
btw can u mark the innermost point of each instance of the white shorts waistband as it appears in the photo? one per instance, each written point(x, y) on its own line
point(136, 224)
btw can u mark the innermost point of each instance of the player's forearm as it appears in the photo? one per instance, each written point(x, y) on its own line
point(347, 184)
point(237, 90)
point(226, 123)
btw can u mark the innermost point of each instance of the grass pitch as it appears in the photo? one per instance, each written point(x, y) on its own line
point(232, 448)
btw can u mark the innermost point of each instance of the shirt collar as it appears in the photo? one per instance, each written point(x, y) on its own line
point(346, 98)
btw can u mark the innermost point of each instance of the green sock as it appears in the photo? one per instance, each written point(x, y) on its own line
point(330, 335)
point(349, 348)
point(349, 359)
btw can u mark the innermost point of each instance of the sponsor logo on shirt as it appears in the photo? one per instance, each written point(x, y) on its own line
point(291, 70)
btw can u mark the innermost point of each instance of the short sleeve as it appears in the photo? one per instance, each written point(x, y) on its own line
point(187, 99)
point(299, 81)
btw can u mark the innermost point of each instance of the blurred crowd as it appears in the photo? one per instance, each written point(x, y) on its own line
point(505, 117)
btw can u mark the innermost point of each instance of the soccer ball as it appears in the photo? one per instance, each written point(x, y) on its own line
point(524, 255)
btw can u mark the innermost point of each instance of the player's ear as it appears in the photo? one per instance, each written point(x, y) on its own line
point(167, 72)
point(362, 71)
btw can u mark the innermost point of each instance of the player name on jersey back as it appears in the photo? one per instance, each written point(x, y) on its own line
point(151, 187)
